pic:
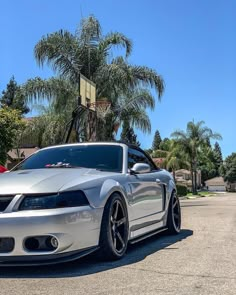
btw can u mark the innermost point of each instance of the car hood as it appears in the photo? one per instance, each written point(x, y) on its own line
point(48, 180)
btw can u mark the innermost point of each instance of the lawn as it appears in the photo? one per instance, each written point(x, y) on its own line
point(201, 194)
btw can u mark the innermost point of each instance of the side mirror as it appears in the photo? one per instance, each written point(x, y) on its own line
point(140, 168)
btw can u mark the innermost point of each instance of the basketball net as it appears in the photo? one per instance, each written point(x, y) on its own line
point(101, 107)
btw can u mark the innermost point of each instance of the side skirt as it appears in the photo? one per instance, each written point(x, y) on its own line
point(148, 235)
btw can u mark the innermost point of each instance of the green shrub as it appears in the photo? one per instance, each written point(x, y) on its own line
point(159, 154)
point(182, 190)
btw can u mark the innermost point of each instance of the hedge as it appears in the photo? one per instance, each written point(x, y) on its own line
point(182, 190)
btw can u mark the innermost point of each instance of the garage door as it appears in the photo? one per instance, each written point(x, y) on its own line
point(216, 188)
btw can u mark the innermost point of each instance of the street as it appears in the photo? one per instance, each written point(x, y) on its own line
point(200, 260)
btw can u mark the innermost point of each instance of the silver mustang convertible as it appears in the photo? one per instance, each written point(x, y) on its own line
point(67, 201)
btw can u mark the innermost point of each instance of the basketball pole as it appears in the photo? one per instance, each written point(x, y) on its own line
point(74, 115)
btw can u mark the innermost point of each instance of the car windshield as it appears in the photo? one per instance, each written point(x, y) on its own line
point(101, 157)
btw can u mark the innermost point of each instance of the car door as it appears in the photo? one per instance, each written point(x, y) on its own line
point(147, 191)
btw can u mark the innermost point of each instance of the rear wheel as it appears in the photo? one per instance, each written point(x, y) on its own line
point(114, 229)
point(174, 215)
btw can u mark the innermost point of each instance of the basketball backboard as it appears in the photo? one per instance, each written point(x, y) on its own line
point(87, 92)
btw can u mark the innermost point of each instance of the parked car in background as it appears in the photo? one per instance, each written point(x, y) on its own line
point(64, 202)
point(2, 169)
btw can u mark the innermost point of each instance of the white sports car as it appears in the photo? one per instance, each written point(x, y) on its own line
point(67, 201)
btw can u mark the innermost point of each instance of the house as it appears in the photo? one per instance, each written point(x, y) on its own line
point(159, 162)
point(17, 155)
point(183, 176)
point(216, 184)
point(231, 186)
point(27, 145)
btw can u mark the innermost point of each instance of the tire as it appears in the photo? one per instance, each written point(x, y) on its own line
point(174, 215)
point(114, 229)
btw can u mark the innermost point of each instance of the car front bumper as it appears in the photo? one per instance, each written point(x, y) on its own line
point(76, 229)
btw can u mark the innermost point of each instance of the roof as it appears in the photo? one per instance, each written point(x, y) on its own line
point(158, 160)
point(183, 181)
point(215, 181)
point(21, 153)
point(28, 119)
point(183, 171)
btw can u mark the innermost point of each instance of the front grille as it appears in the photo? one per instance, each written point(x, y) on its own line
point(6, 245)
point(5, 200)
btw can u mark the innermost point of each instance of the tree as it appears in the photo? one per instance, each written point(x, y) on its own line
point(11, 125)
point(176, 158)
point(228, 170)
point(156, 141)
point(48, 128)
point(88, 52)
point(210, 161)
point(217, 156)
point(148, 151)
point(165, 145)
point(159, 154)
point(206, 163)
point(130, 107)
point(191, 141)
point(128, 134)
point(13, 97)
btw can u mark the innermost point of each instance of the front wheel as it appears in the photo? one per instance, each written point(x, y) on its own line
point(114, 229)
point(174, 215)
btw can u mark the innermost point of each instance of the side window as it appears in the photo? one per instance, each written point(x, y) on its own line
point(136, 156)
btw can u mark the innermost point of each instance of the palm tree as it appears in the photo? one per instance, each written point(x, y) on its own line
point(46, 129)
point(191, 141)
point(88, 52)
point(176, 158)
point(62, 99)
point(60, 93)
point(130, 107)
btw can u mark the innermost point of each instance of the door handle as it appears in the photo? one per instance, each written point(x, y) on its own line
point(158, 180)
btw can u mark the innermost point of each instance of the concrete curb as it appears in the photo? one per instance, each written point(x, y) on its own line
point(197, 196)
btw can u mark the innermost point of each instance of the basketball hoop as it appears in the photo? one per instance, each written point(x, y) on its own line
point(102, 107)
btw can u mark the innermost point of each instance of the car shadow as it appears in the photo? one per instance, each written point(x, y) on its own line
point(90, 264)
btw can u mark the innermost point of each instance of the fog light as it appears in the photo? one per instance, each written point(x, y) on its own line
point(54, 242)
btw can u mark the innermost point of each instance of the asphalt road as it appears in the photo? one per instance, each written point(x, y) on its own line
point(200, 260)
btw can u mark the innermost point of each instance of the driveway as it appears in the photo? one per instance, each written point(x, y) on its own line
point(200, 260)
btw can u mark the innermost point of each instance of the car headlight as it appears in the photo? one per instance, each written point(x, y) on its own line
point(53, 201)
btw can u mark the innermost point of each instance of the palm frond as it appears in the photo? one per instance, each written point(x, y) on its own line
point(122, 76)
point(179, 134)
point(139, 119)
point(57, 91)
point(141, 99)
point(59, 50)
point(89, 29)
point(147, 78)
point(115, 39)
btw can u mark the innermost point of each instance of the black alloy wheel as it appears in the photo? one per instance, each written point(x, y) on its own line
point(174, 215)
point(118, 226)
point(114, 229)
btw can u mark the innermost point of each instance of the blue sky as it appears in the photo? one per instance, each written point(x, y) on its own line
point(191, 43)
